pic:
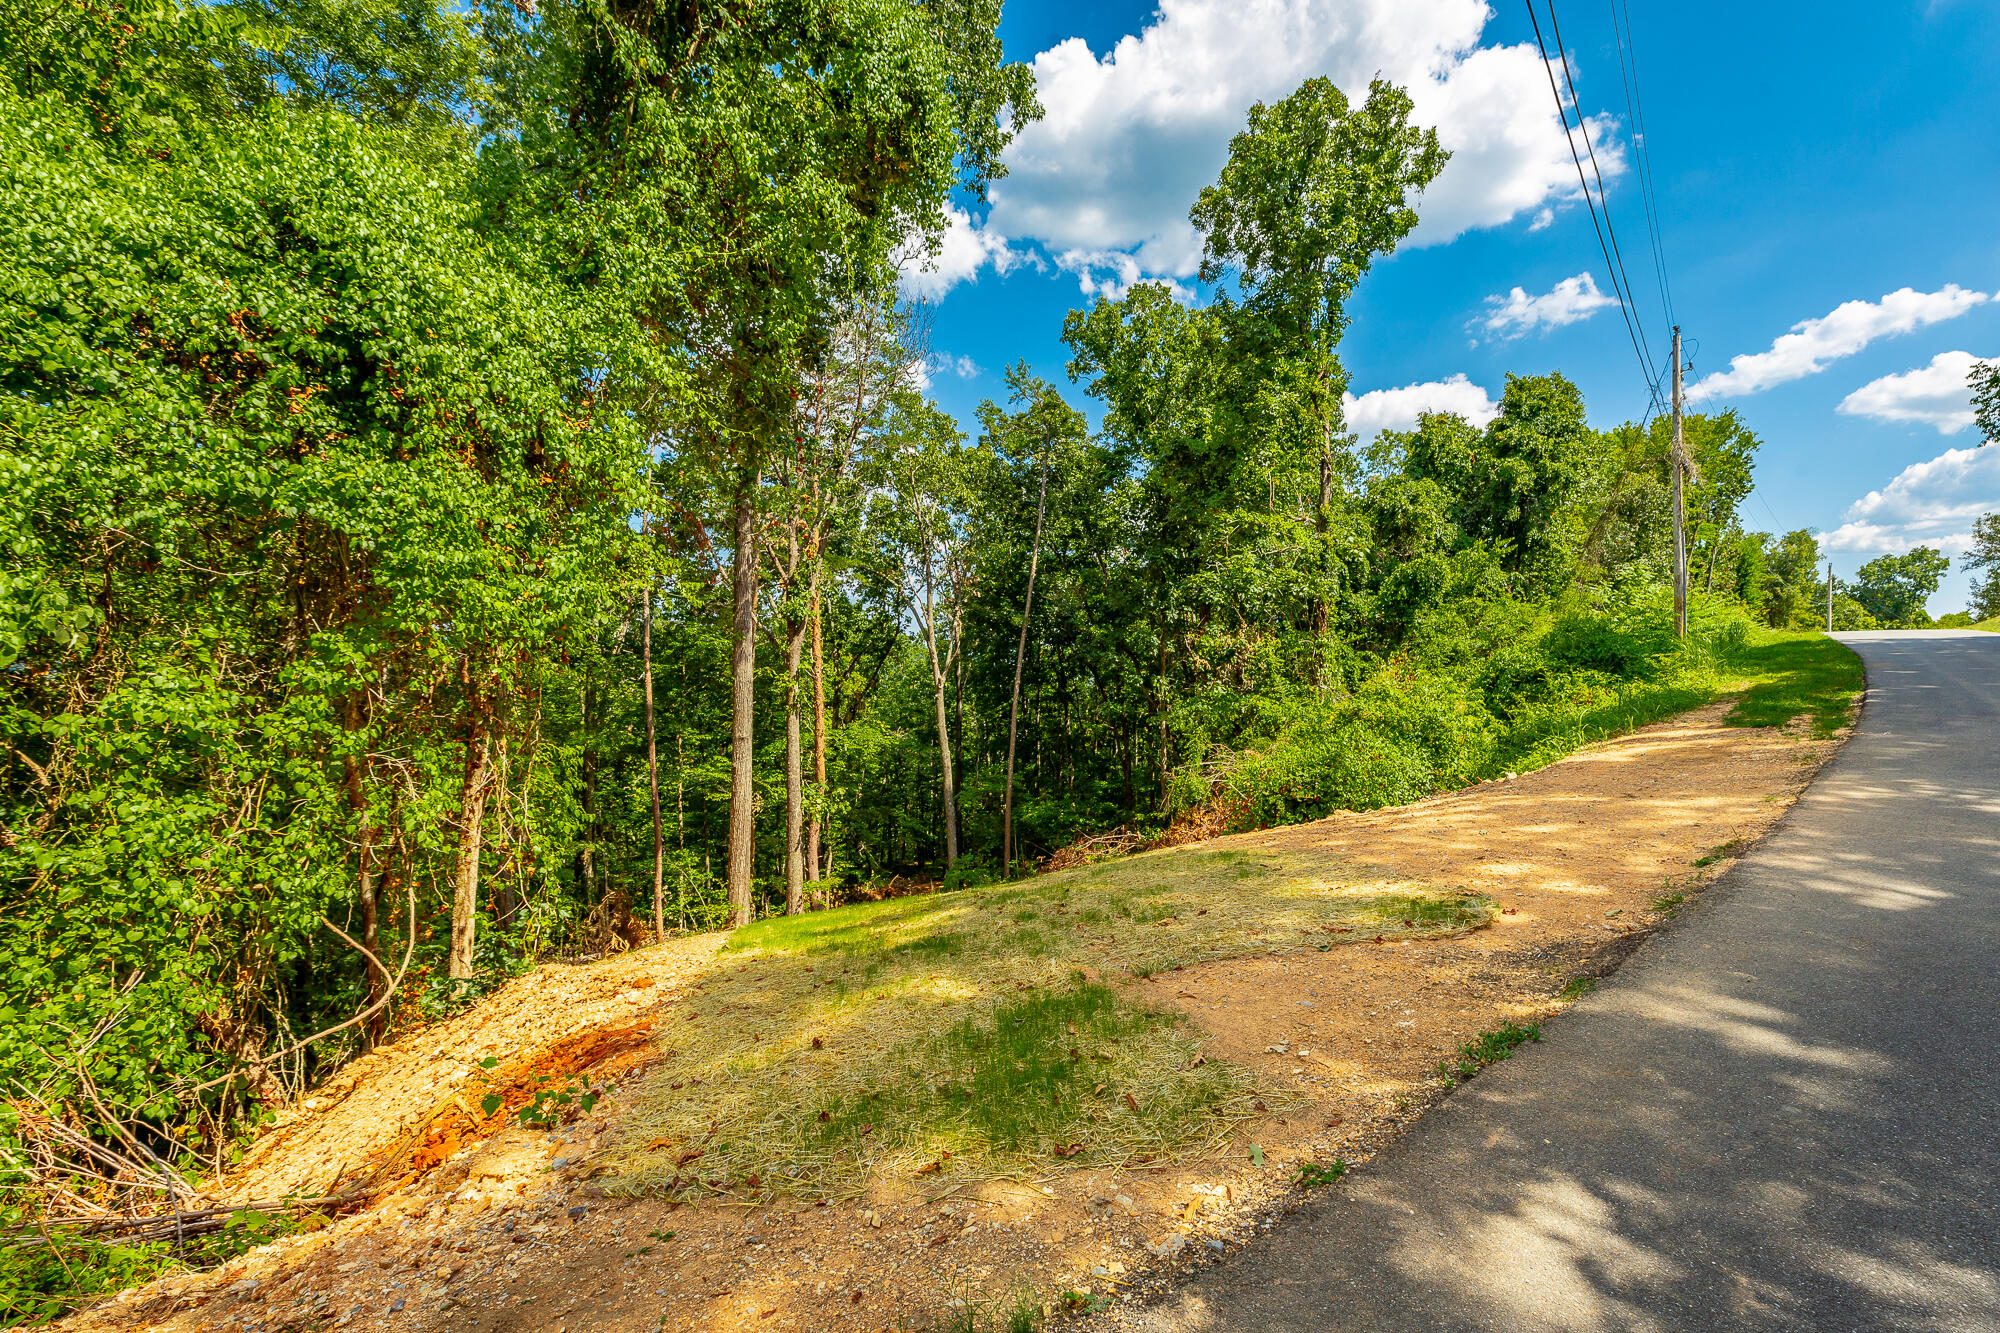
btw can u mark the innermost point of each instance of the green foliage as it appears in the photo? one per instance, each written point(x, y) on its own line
point(1892, 589)
point(1485, 1049)
point(1984, 381)
point(1312, 1175)
point(40, 1284)
point(1984, 553)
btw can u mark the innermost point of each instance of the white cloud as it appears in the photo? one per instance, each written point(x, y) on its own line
point(1569, 301)
point(965, 248)
point(1398, 409)
point(1112, 273)
point(922, 372)
point(1813, 343)
point(1129, 139)
point(1935, 395)
point(1927, 504)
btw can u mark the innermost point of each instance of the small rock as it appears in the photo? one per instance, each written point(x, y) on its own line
point(1167, 1248)
point(753, 1239)
point(559, 1164)
point(1215, 1245)
point(1098, 1205)
point(396, 1306)
point(577, 1212)
point(1124, 1201)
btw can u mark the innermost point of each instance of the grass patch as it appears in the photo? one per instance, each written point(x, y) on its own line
point(1486, 1049)
point(972, 1031)
point(1577, 988)
point(1313, 1174)
point(1795, 675)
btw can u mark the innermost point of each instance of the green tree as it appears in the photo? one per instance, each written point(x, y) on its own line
point(1894, 588)
point(1794, 592)
point(1984, 553)
point(739, 183)
point(1043, 438)
point(1515, 484)
point(1984, 380)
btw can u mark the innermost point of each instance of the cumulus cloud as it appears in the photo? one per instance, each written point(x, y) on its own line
point(923, 372)
point(1935, 395)
point(1398, 409)
point(1927, 504)
point(1130, 138)
point(962, 251)
point(1813, 343)
point(1568, 302)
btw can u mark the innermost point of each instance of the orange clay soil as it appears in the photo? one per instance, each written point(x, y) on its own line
point(507, 1233)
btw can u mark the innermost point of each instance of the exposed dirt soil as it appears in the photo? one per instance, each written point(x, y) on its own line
point(506, 1230)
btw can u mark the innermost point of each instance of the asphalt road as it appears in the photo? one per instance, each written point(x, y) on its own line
point(1783, 1113)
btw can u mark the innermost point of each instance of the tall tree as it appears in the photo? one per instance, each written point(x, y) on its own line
point(1041, 437)
point(750, 172)
point(922, 481)
point(1894, 588)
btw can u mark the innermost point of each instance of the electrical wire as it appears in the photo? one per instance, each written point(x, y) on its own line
point(1611, 269)
point(1604, 198)
point(1642, 156)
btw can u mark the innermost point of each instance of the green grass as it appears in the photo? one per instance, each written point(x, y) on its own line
point(1795, 675)
point(1486, 1049)
point(976, 1030)
point(1577, 988)
point(1780, 674)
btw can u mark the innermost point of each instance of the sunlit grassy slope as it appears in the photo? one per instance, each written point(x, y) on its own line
point(971, 1030)
point(1791, 676)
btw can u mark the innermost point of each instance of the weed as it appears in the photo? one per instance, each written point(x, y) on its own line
point(1312, 1175)
point(1577, 988)
point(1020, 1312)
point(1485, 1049)
point(1084, 1302)
point(1667, 902)
point(1734, 847)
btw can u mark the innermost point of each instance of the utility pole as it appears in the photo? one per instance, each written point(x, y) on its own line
point(1829, 597)
point(1680, 518)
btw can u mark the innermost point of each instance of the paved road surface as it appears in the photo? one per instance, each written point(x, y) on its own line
point(1783, 1114)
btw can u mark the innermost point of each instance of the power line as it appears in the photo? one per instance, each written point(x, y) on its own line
point(1642, 156)
point(1604, 198)
point(1611, 270)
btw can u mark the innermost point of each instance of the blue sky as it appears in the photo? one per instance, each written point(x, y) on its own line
point(1828, 181)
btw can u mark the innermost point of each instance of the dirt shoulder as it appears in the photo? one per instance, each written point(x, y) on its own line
point(506, 1228)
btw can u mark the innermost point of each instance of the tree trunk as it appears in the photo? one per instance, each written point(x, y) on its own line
point(938, 678)
point(586, 862)
point(471, 820)
point(742, 796)
point(795, 795)
point(653, 772)
point(950, 781)
point(365, 890)
point(1014, 708)
point(819, 737)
